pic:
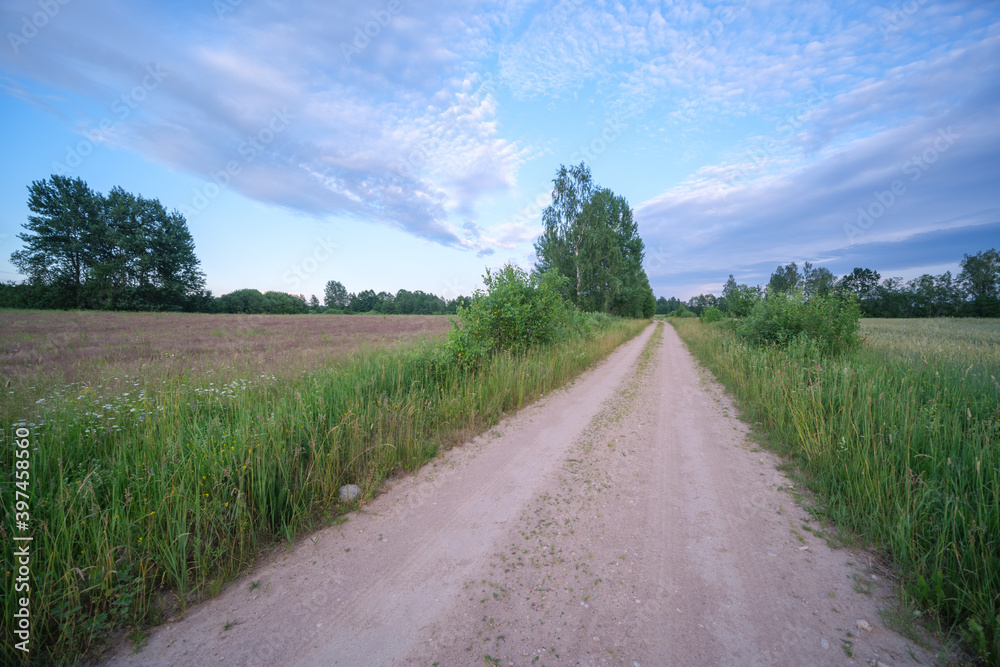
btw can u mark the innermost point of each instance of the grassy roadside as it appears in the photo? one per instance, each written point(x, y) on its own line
point(180, 488)
point(901, 440)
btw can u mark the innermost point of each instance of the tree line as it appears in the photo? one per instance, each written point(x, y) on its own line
point(974, 292)
point(120, 251)
point(117, 251)
point(86, 250)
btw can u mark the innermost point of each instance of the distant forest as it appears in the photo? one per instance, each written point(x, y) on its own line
point(86, 250)
point(974, 292)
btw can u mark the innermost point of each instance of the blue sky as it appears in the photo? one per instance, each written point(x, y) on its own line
point(394, 144)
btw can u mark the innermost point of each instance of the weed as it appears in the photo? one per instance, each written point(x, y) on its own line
point(900, 438)
point(181, 478)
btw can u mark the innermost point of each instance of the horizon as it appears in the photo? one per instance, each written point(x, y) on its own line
point(391, 149)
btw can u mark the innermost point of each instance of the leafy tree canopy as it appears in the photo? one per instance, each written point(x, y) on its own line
point(591, 237)
point(120, 251)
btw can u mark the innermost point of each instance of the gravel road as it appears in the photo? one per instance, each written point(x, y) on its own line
point(624, 520)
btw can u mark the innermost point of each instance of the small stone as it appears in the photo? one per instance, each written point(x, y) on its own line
point(349, 492)
point(824, 643)
point(864, 625)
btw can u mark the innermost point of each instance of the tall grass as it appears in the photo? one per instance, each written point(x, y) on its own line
point(901, 438)
point(179, 488)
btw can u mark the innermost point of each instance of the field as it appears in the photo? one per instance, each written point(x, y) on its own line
point(42, 351)
point(901, 440)
point(168, 450)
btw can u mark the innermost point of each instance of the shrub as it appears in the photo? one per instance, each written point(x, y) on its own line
point(741, 301)
point(681, 311)
point(829, 323)
point(711, 314)
point(516, 312)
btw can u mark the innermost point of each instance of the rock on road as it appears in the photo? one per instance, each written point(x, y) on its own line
point(624, 520)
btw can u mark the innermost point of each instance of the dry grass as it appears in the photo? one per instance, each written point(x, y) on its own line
point(43, 350)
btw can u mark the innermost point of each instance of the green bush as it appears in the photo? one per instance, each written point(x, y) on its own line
point(711, 314)
point(823, 324)
point(741, 301)
point(516, 312)
point(681, 311)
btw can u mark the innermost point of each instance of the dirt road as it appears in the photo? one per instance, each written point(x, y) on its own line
point(625, 520)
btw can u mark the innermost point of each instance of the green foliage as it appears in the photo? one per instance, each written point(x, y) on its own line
point(183, 483)
point(115, 252)
point(785, 279)
point(252, 302)
point(711, 314)
point(516, 312)
point(740, 301)
point(335, 294)
point(829, 323)
point(591, 237)
point(900, 438)
point(682, 311)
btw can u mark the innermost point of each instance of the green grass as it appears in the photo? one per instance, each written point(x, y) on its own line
point(178, 486)
point(901, 438)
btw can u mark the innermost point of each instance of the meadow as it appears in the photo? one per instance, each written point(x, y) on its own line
point(43, 351)
point(900, 440)
point(168, 451)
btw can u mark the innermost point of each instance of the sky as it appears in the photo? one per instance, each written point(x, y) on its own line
point(391, 144)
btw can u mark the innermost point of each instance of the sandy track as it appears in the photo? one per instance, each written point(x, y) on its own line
point(623, 520)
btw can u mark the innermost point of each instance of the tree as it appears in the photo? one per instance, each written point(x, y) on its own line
point(335, 295)
point(313, 302)
point(363, 302)
point(980, 278)
point(817, 282)
point(785, 279)
point(244, 301)
point(590, 236)
point(863, 284)
point(741, 300)
point(67, 215)
point(119, 251)
point(565, 226)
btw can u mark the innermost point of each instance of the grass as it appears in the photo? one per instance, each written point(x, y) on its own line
point(43, 351)
point(901, 438)
point(139, 487)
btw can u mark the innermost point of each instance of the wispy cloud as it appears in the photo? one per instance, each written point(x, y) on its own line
point(772, 123)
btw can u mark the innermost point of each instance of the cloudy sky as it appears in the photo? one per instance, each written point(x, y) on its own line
point(391, 144)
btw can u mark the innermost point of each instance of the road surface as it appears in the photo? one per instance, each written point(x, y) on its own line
point(624, 520)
